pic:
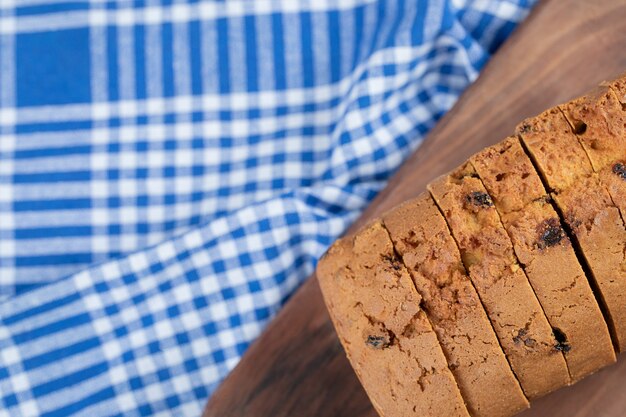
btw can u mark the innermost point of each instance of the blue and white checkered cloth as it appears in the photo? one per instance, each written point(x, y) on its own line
point(171, 170)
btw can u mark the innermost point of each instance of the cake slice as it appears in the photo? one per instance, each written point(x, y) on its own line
point(588, 210)
point(487, 253)
point(546, 254)
point(384, 331)
point(599, 121)
point(421, 237)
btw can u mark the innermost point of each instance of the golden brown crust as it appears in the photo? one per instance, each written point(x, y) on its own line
point(545, 251)
point(421, 237)
point(600, 125)
point(601, 119)
point(618, 86)
point(387, 336)
point(517, 317)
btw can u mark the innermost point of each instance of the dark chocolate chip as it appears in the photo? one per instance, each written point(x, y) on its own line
point(520, 334)
point(479, 199)
point(522, 337)
point(392, 261)
point(562, 345)
point(525, 128)
point(378, 342)
point(550, 233)
point(619, 169)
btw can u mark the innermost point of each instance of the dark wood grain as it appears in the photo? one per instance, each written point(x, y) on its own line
point(297, 367)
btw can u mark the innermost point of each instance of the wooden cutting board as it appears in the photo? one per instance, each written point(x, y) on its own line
point(297, 367)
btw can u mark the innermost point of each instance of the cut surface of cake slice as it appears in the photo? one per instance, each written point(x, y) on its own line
point(547, 256)
point(511, 304)
point(587, 208)
point(421, 237)
point(384, 331)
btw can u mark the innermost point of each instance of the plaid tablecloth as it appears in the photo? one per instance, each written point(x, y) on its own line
point(171, 170)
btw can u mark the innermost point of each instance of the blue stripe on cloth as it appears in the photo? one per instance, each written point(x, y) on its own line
point(358, 34)
point(44, 152)
point(52, 204)
point(279, 52)
point(75, 407)
point(53, 126)
point(9, 319)
point(53, 260)
point(47, 232)
point(334, 46)
point(195, 48)
point(48, 177)
point(61, 353)
point(70, 379)
point(172, 170)
point(49, 8)
point(222, 55)
point(252, 83)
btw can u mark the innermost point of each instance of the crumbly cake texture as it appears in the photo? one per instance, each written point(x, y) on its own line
point(421, 237)
point(599, 121)
point(560, 159)
point(587, 208)
point(487, 253)
point(385, 333)
point(547, 256)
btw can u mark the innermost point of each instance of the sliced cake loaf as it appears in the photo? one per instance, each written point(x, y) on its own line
point(385, 333)
point(547, 256)
point(421, 237)
point(587, 208)
point(505, 282)
point(487, 253)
